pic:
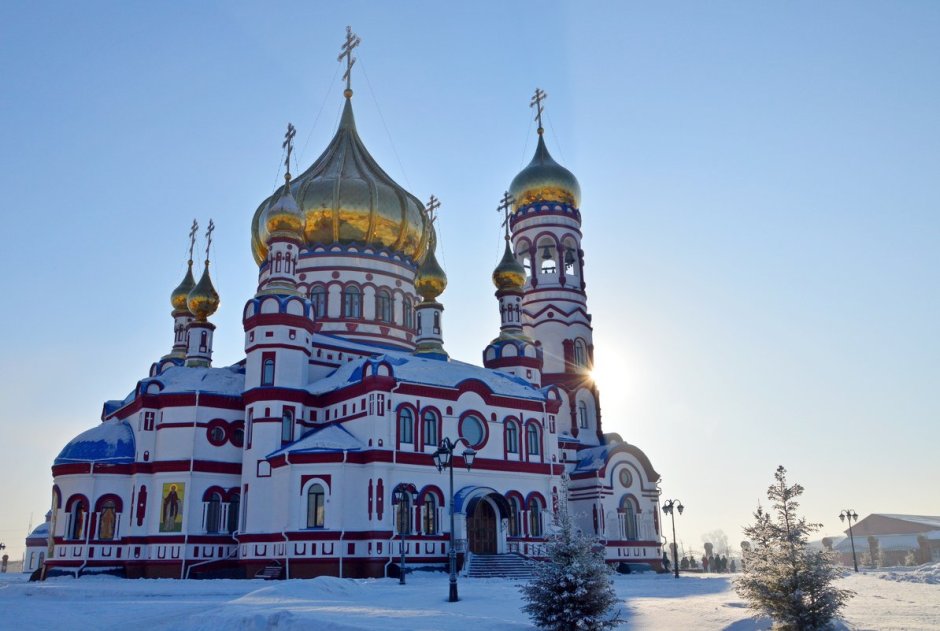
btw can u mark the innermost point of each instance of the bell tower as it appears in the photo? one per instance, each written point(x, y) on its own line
point(546, 237)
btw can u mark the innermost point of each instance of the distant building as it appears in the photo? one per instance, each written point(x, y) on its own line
point(899, 538)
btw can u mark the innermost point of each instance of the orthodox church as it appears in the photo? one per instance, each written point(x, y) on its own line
point(321, 452)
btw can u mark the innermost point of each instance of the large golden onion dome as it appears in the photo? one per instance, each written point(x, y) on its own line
point(180, 295)
point(282, 217)
point(509, 274)
point(203, 299)
point(431, 279)
point(346, 197)
point(544, 180)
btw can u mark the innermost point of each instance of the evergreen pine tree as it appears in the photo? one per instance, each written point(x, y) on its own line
point(573, 589)
point(782, 576)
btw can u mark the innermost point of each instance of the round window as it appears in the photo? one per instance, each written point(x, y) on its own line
point(625, 478)
point(238, 437)
point(471, 430)
point(217, 435)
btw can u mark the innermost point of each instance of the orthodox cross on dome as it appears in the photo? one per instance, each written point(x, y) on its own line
point(288, 144)
point(433, 204)
point(537, 104)
point(192, 240)
point(505, 205)
point(209, 239)
point(352, 40)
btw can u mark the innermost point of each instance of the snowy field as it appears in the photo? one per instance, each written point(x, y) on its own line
point(898, 599)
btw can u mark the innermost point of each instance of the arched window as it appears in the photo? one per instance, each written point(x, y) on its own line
point(582, 415)
point(352, 302)
point(287, 426)
point(408, 313)
point(79, 513)
point(532, 435)
point(107, 520)
point(383, 306)
point(316, 509)
point(430, 428)
point(267, 372)
point(571, 258)
point(429, 527)
point(203, 341)
point(403, 518)
point(437, 322)
point(214, 513)
point(515, 516)
point(277, 262)
point(627, 519)
point(512, 437)
point(580, 354)
point(234, 504)
point(546, 255)
point(535, 518)
point(406, 422)
point(318, 298)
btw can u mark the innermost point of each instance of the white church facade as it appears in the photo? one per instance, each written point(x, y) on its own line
point(292, 457)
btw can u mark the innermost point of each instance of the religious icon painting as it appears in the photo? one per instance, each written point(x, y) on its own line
point(171, 511)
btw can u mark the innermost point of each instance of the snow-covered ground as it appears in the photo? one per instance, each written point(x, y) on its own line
point(884, 602)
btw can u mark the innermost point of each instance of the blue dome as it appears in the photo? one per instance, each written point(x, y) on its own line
point(110, 442)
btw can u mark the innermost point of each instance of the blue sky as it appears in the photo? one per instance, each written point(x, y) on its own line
point(760, 203)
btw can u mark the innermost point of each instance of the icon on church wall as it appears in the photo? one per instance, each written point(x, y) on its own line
point(171, 513)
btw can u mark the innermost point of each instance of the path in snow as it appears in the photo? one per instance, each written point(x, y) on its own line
point(331, 604)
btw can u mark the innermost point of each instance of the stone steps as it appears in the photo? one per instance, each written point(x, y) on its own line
point(499, 565)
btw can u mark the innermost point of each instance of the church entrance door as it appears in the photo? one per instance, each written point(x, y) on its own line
point(482, 529)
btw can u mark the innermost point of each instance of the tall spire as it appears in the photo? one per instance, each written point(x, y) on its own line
point(182, 316)
point(288, 146)
point(352, 40)
point(536, 102)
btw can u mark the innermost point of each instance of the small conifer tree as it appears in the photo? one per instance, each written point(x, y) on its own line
point(783, 577)
point(573, 590)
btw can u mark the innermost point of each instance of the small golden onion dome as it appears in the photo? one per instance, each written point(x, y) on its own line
point(346, 197)
point(544, 180)
point(431, 279)
point(509, 274)
point(181, 294)
point(203, 300)
point(282, 217)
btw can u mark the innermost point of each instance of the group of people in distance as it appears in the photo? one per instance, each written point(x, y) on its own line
point(718, 563)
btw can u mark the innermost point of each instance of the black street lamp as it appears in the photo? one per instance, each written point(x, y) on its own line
point(444, 458)
point(668, 509)
point(851, 514)
point(401, 497)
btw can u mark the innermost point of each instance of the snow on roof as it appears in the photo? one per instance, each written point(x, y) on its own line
point(593, 458)
point(111, 442)
point(39, 532)
point(433, 372)
point(328, 438)
point(885, 542)
point(229, 380)
point(927, 520)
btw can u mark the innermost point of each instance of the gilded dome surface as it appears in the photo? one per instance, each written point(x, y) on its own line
point(181, 294)
point(431, 279)
point(203, 299)
point(346, 197)
point(282, 217)
point(509, 274)
point(544, 180)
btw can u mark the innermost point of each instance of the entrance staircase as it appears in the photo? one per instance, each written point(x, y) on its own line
point(513, 566)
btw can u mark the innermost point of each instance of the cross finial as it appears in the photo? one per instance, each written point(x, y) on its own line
point(209, 231)
point(433, 204)
point(505, 205)
point(192, 240)
point(352, 40)
point(288, 144)
point(537, 104)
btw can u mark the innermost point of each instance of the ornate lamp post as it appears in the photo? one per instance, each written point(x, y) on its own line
point(851, 514)
point(444, 459)
point(401, 496)
point(668, 508)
